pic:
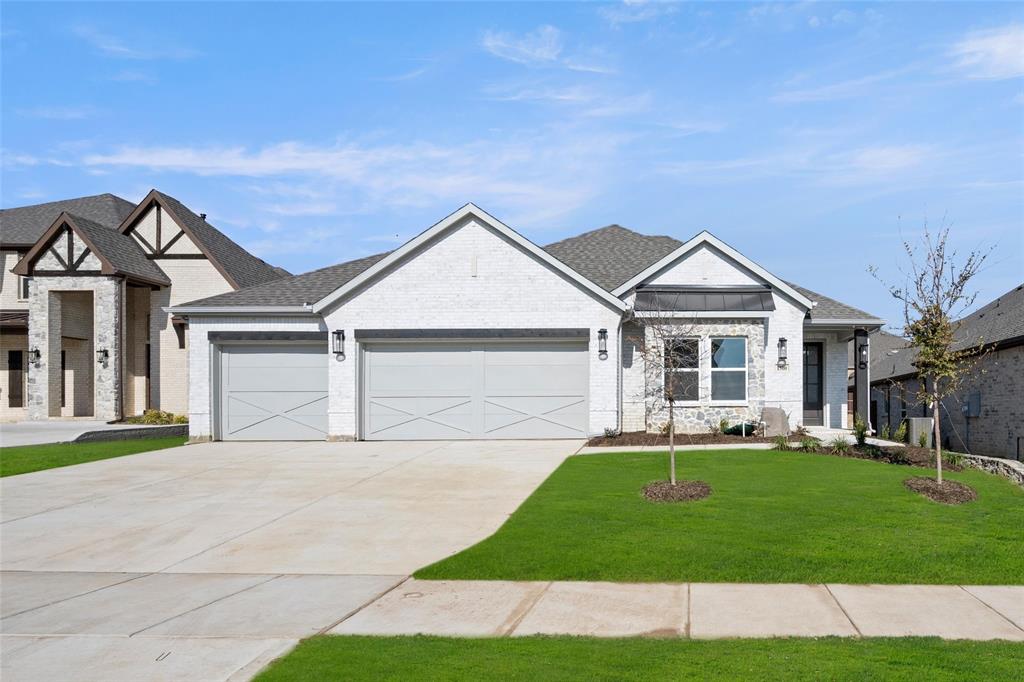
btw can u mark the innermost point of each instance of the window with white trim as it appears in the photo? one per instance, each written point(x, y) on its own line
point(729, 369)
point(22, 282)
point(682, 370)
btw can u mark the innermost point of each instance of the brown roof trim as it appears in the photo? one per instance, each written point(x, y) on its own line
point(65, 219)
point(154, 197)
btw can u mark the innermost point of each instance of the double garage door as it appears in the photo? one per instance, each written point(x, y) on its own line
point(410, 391)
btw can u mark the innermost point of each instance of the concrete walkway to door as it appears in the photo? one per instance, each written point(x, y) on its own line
point(207, 561)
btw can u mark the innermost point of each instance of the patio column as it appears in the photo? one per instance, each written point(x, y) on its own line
point(861, 380)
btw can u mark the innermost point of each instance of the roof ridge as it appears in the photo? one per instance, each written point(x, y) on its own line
point(62, 201)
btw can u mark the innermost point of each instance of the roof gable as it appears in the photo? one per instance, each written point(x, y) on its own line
point(467, 213)
point(116, 253)
point(588, 253)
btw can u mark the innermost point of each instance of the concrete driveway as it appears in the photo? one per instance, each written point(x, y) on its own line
point(205, 562)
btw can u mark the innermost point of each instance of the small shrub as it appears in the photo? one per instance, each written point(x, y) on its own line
point(800, 431)
point(860, 431)
point(886, 433)
point(809, 444)
point(723, 426)
point(839, 446)
point(922, 440)
point(610, 432)
point(953, 458)
point(901, 433)
point(665, 428)
point(158, 418)
point(780, 443)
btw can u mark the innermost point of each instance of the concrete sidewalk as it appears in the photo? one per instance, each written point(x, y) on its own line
point(696, 610)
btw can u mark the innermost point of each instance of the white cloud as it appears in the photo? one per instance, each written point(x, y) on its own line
point(112, 46)
point(301, 208)
point(60, 113)
point(636, 11)
point(854, 87)
point(687, 128)
point(570, 94)
point(991, 54)
point(542, 46)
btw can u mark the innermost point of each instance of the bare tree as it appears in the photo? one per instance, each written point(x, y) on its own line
point(670, 350)
point(934, 296)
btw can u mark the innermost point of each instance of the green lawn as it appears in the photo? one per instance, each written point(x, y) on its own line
point(772, 517)
point(568, 658)
point(27, 458)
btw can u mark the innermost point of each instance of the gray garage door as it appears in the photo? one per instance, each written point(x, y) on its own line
point(274, 392)
point(475, 390)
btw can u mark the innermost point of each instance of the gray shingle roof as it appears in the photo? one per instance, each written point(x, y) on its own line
point(609, 256)
point(246, 269)
point(1000, 321)
point(24, 225)
point(120, 250)
point(293, 291)
point(831, 309)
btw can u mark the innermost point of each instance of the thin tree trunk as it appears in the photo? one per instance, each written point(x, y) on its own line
point(671, 444)
point(937, 436)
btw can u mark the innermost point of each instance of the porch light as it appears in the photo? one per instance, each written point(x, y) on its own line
point(338, 343)
point(34, 356)
point(783, 352)
point(863, 350)
point(102, 355)
point(602, 344)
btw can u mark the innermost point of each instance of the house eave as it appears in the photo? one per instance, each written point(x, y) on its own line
point(194, 311)
point(844, 322)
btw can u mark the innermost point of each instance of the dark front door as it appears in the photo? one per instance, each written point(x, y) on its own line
point(814, 414)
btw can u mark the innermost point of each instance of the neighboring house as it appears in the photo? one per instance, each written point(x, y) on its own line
point(85, 286)
point(470, 330)
point(986, 416)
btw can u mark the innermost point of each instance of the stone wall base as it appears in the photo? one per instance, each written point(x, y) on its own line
point(1008, 468)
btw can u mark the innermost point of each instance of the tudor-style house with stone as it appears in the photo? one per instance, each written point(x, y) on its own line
point(83, 305)
point(471, 331)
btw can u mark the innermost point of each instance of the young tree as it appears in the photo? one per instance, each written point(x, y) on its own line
point(670, 351)
point(934, 296)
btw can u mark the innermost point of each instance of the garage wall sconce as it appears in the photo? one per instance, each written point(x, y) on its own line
point(35, 356)
point(602, 344)
point(338, 343)
point(102, 355)
point(783, 352)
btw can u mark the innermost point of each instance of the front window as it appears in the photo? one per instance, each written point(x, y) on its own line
point(23, 288)
point(729, 369)
point(682, 370)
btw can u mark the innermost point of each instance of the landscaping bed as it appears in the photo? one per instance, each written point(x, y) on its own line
point(909, 455)
point(589, 658)
point(950, 492)
point(633, 438)
point(789, 517)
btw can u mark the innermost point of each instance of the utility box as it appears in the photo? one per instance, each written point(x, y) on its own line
point(918, 425)
point(972, 407)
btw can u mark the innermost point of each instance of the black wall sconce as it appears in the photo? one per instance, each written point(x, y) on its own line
point(34, 356)
point(783, 352)
point(102, 355)
point(338, 343)
point(862, 352)
point(602, 344)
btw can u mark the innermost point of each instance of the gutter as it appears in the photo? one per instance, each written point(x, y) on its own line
point(240, 310)
point(864, 322)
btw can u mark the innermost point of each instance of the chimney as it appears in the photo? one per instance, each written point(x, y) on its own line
point(203, 216)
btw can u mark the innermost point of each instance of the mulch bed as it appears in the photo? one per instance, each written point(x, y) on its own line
point(950, 492)
point(908, 456)
point(644, 438)
point(682, 491)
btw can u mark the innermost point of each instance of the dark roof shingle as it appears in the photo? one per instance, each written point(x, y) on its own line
point(831, 309)
point(609, 256)
point(24, 225)
point(121, 251)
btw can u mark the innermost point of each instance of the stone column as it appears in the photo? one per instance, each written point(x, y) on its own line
point(43, 325)
point(108, 311)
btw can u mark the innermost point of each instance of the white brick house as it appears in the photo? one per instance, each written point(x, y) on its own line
point(84, 330)
point(470, 330)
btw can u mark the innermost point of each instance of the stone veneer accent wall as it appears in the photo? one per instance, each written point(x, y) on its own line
point(45, 334)
point(643, 410)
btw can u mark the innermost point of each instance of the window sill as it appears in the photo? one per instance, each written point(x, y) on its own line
point(729, 403)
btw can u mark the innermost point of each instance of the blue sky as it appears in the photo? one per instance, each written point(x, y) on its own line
point(810, 136)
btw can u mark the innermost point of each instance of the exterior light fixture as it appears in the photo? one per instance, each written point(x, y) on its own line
point(783, 352)
point(602, 344)
point(34, 356)
point(863, 352)
point(338, 343)
point(102, 355)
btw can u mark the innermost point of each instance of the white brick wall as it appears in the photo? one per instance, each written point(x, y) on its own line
point(9, 284)
point(705, 266)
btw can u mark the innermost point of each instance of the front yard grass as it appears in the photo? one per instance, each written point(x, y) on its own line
point(772, 517)
point(25, 459)
point(570, 658)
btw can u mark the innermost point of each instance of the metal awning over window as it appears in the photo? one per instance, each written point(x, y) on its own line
point(704, 299)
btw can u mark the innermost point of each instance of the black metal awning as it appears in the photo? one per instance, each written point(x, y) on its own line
point(704, 299)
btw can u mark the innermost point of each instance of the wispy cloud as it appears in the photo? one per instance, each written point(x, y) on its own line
point(541, 46)
point(687, 128)
point(533, 93)
point(846, 89)
point(992, 54)
point(133, 76)
point(636, 11)
point(114, 46)
point(59, 113)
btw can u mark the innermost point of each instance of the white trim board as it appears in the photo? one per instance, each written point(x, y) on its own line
point(427, 236)
point(706, 237)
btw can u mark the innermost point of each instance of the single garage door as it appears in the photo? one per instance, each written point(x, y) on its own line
point(475, 390)
point(274, 392)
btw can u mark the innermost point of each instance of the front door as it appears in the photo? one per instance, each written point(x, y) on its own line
point(814, 413)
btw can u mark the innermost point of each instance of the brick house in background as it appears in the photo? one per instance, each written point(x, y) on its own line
point(83, 327)
point(986, 417)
